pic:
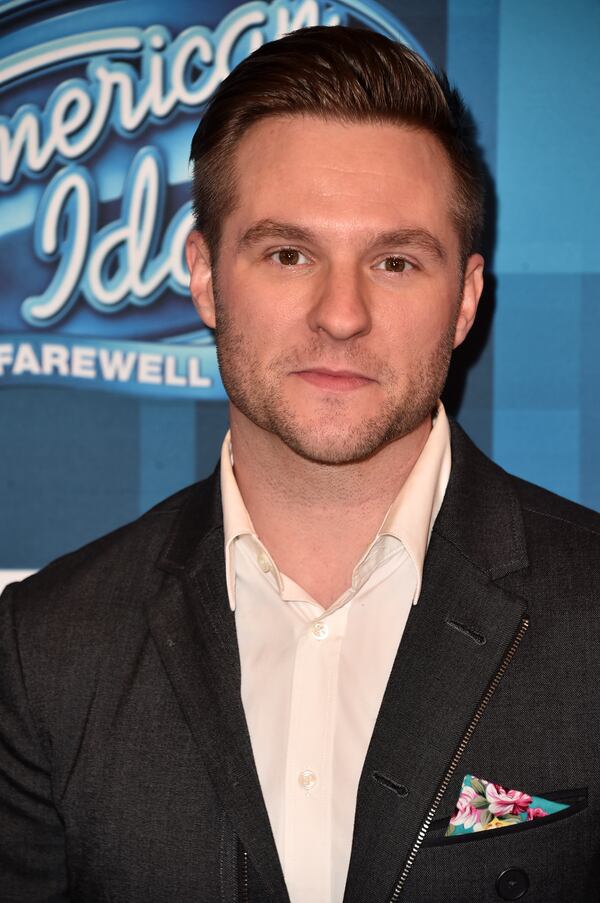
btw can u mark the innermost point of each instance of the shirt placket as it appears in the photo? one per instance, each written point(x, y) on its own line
point(309, 772)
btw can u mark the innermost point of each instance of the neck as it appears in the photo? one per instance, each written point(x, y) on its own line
point(317, 519)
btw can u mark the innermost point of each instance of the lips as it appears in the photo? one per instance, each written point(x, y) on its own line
point(334, 380)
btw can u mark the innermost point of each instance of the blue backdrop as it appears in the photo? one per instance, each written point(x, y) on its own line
point(109, 398)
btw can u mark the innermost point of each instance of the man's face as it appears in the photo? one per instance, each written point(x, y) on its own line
point(337, 295)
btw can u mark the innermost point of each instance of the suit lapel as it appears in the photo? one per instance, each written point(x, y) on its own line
point(454, 644)
point(194, 630)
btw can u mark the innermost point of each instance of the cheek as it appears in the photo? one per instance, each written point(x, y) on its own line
point(423, 326)
point(259, 307)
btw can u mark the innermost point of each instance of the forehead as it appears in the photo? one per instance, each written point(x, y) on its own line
point(384, 175)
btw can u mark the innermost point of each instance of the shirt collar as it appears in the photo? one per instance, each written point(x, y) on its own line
point(236, 520)
point(409, 519)
point(411, 516)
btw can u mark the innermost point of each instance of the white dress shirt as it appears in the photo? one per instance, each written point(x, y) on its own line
point(313, 678)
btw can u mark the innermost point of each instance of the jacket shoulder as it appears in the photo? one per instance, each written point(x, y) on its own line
point(85, 614)
point(563, 545)
point(78, 599)
point(73, 635)
point(506, 525)
point(540, 505)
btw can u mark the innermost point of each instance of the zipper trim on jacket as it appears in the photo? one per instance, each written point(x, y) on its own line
point(491, 689)
point(244, 893)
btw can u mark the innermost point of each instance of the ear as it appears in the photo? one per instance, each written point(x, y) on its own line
point(201, 279)
point(471, 293)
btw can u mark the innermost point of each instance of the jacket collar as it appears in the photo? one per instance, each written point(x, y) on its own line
point(481, 513)
point(199, 515)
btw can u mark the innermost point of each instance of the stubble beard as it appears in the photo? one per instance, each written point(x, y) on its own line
point(326, 438)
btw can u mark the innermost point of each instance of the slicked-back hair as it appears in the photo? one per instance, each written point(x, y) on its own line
point(334, 73)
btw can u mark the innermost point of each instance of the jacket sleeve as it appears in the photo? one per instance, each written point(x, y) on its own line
point(32, 843)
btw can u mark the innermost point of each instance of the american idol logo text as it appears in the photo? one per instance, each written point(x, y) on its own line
point(94, 184)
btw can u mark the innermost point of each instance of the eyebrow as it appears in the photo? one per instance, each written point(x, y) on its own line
point(269, 228)
point(416, 238)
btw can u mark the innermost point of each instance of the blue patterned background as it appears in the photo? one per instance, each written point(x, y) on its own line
point(76, 463)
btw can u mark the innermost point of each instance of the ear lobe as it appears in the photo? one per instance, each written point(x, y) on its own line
point(201, 283)
point(471, 293)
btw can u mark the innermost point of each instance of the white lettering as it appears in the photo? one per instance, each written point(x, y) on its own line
point(116, 364)
point(114, 267)
point(70, 112)
point(55, 358)
point(24, 143)
point(128, 242)
point(83, 362)
point(62, 50)
point(103, 96)
point(21, 140)
point(195, 377)
point(26, 361)
point(241, 23)
point(125, 96)
point(149, 368)
point(172, 378)
point(195, 44)
point(65, 208)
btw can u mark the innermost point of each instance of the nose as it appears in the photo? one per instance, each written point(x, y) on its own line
point(341, 306)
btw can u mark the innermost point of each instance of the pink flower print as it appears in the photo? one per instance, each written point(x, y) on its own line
point(466, 813)
point(506, 802)
point(535, 812)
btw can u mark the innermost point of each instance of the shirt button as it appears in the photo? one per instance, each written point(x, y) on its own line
point(263, 563)
point(320, 631)
point(307, 779)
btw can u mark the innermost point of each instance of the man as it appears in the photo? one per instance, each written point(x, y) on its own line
point(272, 686)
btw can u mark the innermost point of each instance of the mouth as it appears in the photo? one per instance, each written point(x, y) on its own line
point(334, 380)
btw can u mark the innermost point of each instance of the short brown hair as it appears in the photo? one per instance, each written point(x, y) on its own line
point(333, 72)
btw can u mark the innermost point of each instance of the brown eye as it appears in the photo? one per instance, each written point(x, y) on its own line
point(395, 264)
point(288, 256)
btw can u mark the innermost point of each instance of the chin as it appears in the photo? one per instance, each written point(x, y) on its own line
point(333, 449)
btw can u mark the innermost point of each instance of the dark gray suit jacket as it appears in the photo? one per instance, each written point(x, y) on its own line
point(126, 773)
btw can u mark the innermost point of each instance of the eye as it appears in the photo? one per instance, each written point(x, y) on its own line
point(289, 257)
point(394, 264)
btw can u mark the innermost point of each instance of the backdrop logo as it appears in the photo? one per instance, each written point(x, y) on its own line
point(94, 184)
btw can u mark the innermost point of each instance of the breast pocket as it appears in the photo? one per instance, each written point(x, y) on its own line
point(575, 800)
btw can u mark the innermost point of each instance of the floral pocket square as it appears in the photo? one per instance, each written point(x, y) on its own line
point(483, 806)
